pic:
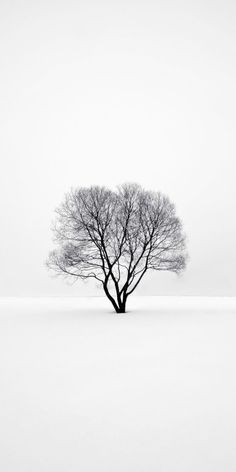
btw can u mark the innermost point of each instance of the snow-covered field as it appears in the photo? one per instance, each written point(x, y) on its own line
point(83, 389)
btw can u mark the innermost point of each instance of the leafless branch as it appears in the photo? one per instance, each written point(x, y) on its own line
point(116, 237)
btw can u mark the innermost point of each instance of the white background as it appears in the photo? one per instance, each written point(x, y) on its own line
point(96, 92)
point(85, 389)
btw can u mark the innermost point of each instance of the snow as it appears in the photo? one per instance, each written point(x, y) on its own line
point(83, 389)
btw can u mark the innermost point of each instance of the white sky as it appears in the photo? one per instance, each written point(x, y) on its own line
point(96, 92)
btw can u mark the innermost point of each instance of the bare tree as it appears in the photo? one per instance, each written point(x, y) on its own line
point(116, 237)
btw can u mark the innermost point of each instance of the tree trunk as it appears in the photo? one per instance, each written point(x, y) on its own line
point(119, 305)
point(122, 306)
point(120, 309)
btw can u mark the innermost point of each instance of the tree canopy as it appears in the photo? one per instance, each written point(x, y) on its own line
point(115, 237)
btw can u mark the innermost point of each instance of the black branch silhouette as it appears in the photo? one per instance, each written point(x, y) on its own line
point(115, 237)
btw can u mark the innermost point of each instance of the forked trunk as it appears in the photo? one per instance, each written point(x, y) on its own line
point(119, 304)
point(121, 308)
